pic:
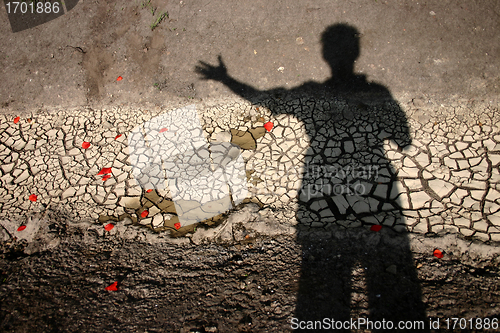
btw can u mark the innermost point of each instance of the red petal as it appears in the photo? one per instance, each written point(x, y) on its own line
point(104, 171)
point(144, 213)
point(438, 254)
point(106, 178)
point(16, 120)
point(112, 287)
point(177, 226)
point(163, 130)
point(21, 228)
point(268, 126)
point(119, 78)
point(376, 227)
point(85, 145)
point(116, 137)
point(109, 226)
point(147, 191)
point(33, 197)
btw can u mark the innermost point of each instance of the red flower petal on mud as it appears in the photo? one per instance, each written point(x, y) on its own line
point(112, 287)
point(119, 78)
point(438, 254)
point(109, 226)
point(33, 197)
point(21, 228)
point(376, 227)
point(104, 171)
point(106, 178)
point(268, 126)
point(16, 120)
point(177, 226)
point(144, 213)
point(147, 191)
point(163, 130)
point(85, 145)
point(116, 137)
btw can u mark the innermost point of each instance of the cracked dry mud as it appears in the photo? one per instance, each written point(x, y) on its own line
point(436, 175)
point(350, 172)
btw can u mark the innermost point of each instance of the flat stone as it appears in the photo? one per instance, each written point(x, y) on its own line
point(130, 202)
point(481, 226)
point(477, 194)
point(419, 199)
point(22, 177)
point(482, 236)
point(420, 227)
point(494, 219)
point(462, 222)
point(440, 187)
point(70, 192)
point(467, 232)
point(157, 220)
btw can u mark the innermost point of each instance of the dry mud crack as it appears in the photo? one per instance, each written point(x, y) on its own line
point(345, 163)
point(317, 182)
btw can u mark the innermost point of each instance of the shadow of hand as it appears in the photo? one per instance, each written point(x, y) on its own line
point(210, 72)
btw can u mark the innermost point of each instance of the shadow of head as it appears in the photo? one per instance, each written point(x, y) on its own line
point(341, 49)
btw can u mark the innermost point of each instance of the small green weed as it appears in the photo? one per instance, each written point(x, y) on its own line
point(158, 20)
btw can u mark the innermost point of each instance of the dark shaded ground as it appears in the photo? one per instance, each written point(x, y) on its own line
point(218, 288)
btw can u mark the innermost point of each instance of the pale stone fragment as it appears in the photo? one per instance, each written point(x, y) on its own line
point(477, 194)
point(422, 159)
point(481, 226)
point(440, 187)
point(130, 202)
point(7, 167)
point(413, 184)
point(494, 219)
point(493, 195)
point(421, 227)
point(482, 236)
point(495, 237)
point(70, 192)
point(418, 199)
point(467, 232)
point(494, 158)
point(462, 222)
point(475, 184)
point(408, 172)
point(22, 177)
point(133, 191)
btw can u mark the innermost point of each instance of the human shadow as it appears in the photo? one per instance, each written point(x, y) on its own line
point(347, 181)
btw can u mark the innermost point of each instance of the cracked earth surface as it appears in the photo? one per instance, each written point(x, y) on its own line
point(350, 172)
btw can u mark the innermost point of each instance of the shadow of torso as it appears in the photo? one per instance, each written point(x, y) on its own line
point(348, 182)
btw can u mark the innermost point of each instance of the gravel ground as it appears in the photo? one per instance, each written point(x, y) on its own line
point(256, 285)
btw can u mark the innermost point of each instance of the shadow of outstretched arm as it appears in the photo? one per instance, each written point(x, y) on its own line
point(219, 73)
